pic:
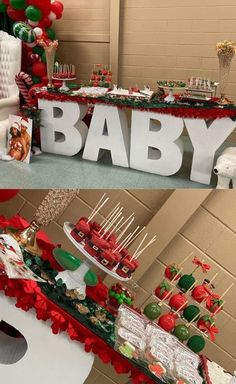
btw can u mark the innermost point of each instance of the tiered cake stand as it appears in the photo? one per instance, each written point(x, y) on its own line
point(75, 279)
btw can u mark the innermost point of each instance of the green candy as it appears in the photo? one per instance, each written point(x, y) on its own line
point(191, 312)
point(196, 343)
point(181, 332)
point(152, 311)
point(128, 300)
point(112, 293)
point(186, 282)
point(122, 296)
point(120, 301)
point(117, 296)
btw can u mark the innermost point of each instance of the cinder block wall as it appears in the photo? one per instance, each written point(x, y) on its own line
point(210, 233)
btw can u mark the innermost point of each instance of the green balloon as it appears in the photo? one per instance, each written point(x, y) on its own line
point(196, 343)
point(51, 33)
point(33, 13)
point(38, 50)
point(186, 282)
point(18, 4)
point(3, 8)
point(191, 312)
point(36, 79)
point(181, 332)
point(43, 58)
point(152, 311)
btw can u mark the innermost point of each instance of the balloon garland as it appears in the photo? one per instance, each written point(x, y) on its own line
point(33, 22)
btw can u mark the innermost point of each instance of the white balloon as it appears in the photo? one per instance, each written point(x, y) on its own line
point(38, 31)
point(33, 23)
point(52, 16)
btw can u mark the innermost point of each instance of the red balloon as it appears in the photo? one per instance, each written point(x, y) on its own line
point(15, 14)
point(7, 194)
point(57, 7)
point(44, 80)
point(43, 5)
point(39, 69)
point(59, 15)
point(45, 22)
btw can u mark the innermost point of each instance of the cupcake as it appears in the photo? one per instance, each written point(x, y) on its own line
point(82, 230)
point(127, 266)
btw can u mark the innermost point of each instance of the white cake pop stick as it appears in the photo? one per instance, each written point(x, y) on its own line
point(110, 213)
point(135, 237)
point(147, 246)
point(111, 224)
point(140, 245)
point(126, 228)
point(114, 229)
point(126, 221)
point(100, 201)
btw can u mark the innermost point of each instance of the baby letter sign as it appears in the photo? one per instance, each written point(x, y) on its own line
point(152, 145)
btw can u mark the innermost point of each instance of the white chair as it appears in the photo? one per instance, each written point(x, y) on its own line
point(10, 65)
point(49, 358)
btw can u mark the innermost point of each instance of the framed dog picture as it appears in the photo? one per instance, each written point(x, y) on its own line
point(19, 138)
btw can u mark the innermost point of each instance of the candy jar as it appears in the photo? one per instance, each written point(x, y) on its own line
point(120, 294)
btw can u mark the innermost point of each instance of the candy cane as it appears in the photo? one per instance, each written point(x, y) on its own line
point(22, 80)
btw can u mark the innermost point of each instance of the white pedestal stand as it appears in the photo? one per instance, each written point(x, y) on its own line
point(75, 279)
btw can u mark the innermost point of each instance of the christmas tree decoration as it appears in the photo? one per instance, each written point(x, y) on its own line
point(152, 311)
point(188, 281)
point(182, 332)
point(191, 312)
point(163, 290)
point(167, 321)
point(196, 343)
point(207, 325)
point(178, 301)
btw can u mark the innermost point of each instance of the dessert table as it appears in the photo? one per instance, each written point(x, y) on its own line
point(51, 305)
point(153, 144)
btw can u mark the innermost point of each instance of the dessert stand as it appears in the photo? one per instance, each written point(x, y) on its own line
point(171, 98)
point(75, 279)
point(64, 86)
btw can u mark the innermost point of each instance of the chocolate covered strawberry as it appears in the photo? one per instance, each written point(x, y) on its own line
point(127, 266)
point(163, 290)
point(177, 301)
point(82, 229)
point(172, 272)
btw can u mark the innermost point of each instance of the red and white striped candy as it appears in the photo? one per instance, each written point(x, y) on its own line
point(23, 80)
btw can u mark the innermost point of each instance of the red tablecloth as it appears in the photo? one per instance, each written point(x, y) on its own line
point(28, 295)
